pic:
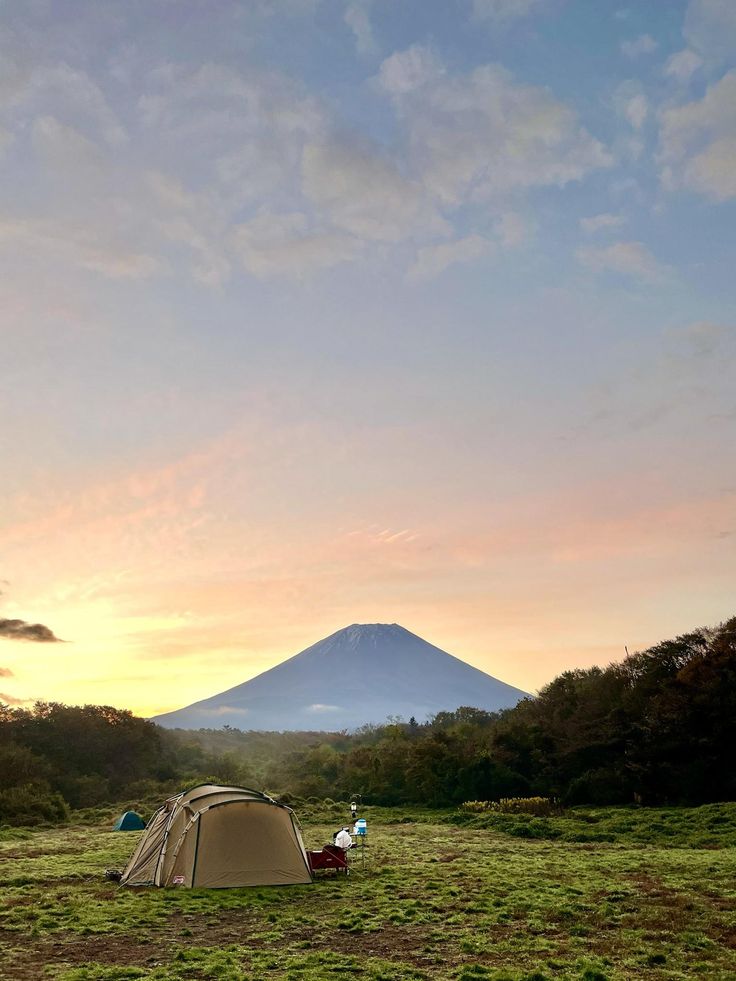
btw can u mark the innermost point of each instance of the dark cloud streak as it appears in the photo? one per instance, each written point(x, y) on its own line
point(11, 700)
point(20, 630)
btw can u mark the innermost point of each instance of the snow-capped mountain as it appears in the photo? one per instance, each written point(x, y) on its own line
point(363, 673)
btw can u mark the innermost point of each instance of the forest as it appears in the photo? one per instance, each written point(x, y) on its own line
point(656, 728)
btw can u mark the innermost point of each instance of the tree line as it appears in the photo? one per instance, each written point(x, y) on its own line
point(656, 728)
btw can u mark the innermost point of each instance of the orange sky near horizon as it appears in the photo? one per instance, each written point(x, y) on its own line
point(175, 597)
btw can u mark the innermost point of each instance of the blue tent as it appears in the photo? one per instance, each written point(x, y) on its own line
point(129, 821)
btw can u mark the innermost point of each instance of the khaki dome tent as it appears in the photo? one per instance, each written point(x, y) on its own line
point(214, 837)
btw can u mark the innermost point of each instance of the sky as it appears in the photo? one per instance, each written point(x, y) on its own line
point(320, 312)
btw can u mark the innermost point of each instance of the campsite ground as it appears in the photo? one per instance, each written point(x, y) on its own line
point(594, 896)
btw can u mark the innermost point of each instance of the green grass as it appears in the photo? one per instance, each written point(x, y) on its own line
point(653, 897)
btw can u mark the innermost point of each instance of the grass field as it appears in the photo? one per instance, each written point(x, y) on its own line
point(592, 896)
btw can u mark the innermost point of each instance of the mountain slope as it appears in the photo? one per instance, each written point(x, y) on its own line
point(360, 674)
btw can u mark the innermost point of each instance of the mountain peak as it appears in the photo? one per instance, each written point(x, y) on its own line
point(371, 630)
point(363, 637)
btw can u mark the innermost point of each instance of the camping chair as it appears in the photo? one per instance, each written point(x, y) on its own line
point(329, 857)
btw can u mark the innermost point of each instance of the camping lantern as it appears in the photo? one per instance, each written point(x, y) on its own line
point(355, 801)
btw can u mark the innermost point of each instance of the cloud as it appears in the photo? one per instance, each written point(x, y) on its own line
point(262, 116)
point(434, 259)
point(65, 149)
point(702, 339)
point(598, 222)
point(20, 630)
point(479, 136)
point(698, 142)
point(631, 104)
point(223, 710)
point(373, 537)
point(242, 133)
point(271, 143)
point(66, 92)
point(6, 673)
point(194, 221)
point(682, 65)
point(241, 169)
point(146, 517)
point(710, 29)
point(361, 193)
point(636, 110)
point(150, 167)
point(79, 247)
point(407, 71)
point(642, 45)
point(358, 19)
point(284, 244)
point(626, 258)
point(504, 10)
point(211, 266)
point(85, 210)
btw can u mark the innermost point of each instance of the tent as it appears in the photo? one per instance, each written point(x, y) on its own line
point(129, 821)
point(214, 837)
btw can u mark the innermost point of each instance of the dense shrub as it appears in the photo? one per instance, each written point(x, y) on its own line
point(601, 786)
point(31, 804)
